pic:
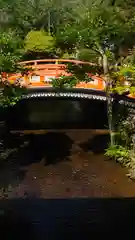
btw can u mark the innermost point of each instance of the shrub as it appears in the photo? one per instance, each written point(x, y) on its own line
point(119, 153)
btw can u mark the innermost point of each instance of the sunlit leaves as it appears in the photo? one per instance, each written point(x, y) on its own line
point(10, 94)
point(88, 55)
point(64, 81)
point(103, 29)
point(10, 51)
point(10, 54)
point(38, 41)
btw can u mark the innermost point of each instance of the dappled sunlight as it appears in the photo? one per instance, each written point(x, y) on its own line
point(68, 164)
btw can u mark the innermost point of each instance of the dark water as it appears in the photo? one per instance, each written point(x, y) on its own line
point(61, 183)
point(58, 113)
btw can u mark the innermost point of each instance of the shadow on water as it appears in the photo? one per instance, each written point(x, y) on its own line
point(54, 147)
point(51, 147)
point(74, 218)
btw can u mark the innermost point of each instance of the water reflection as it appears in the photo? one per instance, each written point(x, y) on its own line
point(58, 113)
point(51, 147)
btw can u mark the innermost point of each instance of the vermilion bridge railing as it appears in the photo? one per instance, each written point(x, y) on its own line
point(42, 72)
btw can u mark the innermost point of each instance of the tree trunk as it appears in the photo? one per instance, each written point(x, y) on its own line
point(109, 99)
point(49, 23)
point(76, 55)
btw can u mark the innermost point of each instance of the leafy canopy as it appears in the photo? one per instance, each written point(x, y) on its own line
point(103, 28)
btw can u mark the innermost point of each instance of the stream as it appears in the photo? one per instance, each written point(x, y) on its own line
point(61, 183)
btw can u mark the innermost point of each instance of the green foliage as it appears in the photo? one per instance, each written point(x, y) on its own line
point(102, 28)
point(39, 41)
point(24, 15)
point(11, 52)
point(124, 149)
point(64, 81)
point(66, 55)
point(88, 55)
point(119, 153)
point(126, 71)
point(81, 71)
point(122, 74)
point(10, 94)
point(123, 156)
point(27, 15)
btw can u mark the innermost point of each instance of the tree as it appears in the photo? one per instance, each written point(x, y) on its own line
point(10, 53)
point(39, 42)
point(27, 15)
point(124, 149)
point(103, 32)
point(24, 16)
point(11, 50)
